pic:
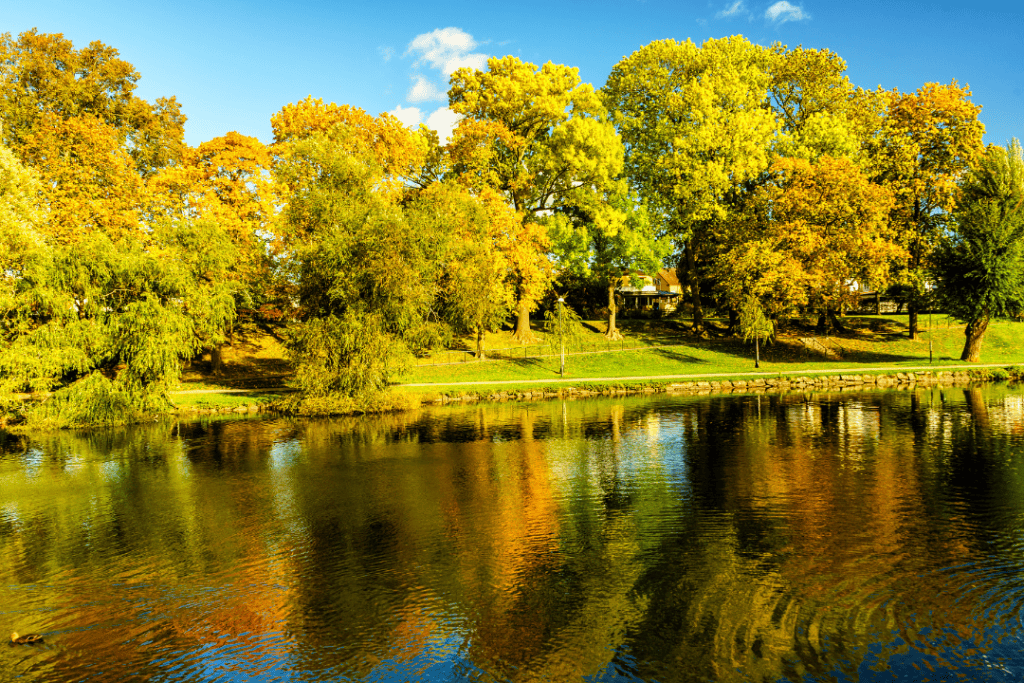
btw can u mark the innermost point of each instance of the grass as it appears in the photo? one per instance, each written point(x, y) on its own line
point(654, 347)
point(870, 341)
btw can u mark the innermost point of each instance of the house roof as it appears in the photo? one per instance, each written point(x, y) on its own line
point(669, 275)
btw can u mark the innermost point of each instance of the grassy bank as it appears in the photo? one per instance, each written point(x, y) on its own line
point(651, 349)
point(869, 341)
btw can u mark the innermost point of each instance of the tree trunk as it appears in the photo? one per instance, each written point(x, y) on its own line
point(480, 343)
point(828, 321)
point(694, 282)
point(757, 351)
point(912, 309)
point(523, 333)
point(974, 331)
point(216, 360)
point(734, 321)
point(613, 332)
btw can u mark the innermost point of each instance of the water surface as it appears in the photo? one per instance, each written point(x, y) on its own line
point(846, 536)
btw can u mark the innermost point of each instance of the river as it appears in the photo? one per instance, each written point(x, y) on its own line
point(854, 536)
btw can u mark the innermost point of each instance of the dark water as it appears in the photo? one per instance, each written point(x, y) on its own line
point(854, 536)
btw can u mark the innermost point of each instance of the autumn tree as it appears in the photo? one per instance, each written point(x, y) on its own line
point(819, 111)
point(473, 235)
point(541, 138)
point(696, 129)
point(979, 265)
point(812, 230)
point(227, 180)
point(45, 76)
point(930, 139)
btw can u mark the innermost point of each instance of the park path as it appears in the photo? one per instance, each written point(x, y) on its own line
point(638, 378)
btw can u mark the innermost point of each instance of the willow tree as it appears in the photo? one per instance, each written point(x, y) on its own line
point(979, 265)
point(696, 129)
point(541, 138)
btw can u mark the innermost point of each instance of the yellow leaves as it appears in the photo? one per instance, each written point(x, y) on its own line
point(399, 151)
point(226, 180)
point(89, 178)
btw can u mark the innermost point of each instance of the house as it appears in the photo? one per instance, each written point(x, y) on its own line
point(658, 292)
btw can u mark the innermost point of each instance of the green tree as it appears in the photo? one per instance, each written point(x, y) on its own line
point(103, 325)
point(366, 277)
point(587, 249)
point(979, 265)
point(696, 128)
point(474, 289)
point(541, 138)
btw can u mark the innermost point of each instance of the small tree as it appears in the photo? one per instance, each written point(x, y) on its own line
point(979, 266)
point(755, 325)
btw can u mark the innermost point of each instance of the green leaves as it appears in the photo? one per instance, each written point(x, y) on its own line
point(979, 265)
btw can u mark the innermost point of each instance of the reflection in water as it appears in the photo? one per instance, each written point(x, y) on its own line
point(852, 536)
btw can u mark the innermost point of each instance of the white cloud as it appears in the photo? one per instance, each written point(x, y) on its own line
point(782, 11)
point(447, 49)
point(443, 121)
point(736, 8)
point(424, 91)
point(385, 52)
point(410, 116)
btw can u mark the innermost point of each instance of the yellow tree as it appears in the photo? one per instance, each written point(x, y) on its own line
point(818, 228)
point(44, 75)
point(541, 138)
point(399, 152)
point(930, 140)
point(696, 128)
point(227, 180)
point(90, 180)
point(819, 111)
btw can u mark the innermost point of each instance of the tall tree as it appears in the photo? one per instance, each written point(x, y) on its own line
point(365, 276)
point(696, 129)
point(475, 236)
point(44, 75)
point(541, 138)
point(979, 265)
point(929, 141)
point(811, 230)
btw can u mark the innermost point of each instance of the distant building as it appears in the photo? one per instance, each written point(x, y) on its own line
point(659, 292)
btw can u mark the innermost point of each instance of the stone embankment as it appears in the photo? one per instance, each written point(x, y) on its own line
point(760, 385)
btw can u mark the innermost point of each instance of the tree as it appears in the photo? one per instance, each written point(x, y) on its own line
point(810, 232)
point(696, 129)
point(474, 234)
point(227, 180)
point(103, 324)
point(586, 249)
point(45, 76)
point(979, 265)
point(397, 151)
point(755, 325)
point(365, 276)
point(90, 179)
point(930, 139)
point(540, 137)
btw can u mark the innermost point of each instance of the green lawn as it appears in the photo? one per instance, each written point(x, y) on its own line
point(870, 341)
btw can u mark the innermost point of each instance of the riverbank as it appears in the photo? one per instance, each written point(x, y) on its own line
point(654, 356)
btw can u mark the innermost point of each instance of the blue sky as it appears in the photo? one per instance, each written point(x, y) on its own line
point(233, 64)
